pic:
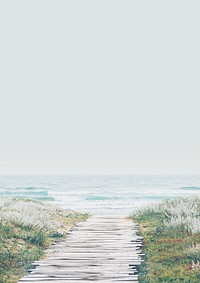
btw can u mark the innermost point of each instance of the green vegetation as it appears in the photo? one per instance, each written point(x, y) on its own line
point(171, 232)
point(27, 228)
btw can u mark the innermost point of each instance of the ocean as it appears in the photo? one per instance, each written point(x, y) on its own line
point(100, 194)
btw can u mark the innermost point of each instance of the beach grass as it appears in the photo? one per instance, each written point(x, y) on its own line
point(27, 228)
point(171, 232)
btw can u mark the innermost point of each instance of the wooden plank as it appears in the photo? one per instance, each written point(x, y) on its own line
point(100, 249)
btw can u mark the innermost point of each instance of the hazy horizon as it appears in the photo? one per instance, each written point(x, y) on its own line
point(97, 174)
point(99, 87)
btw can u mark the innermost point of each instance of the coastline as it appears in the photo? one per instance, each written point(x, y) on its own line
point(170, 232)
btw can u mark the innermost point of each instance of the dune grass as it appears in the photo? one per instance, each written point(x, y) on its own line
point(27, 228)
point(171, 232)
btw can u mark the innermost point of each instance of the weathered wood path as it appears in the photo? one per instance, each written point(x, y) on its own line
point(102, 249)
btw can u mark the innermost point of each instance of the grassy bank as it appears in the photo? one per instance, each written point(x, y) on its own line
point(171, 232)
point(27, 228)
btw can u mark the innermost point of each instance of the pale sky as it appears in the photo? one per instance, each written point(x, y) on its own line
point(99, 87)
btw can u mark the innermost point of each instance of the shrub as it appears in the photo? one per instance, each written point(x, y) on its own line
point(182, 213)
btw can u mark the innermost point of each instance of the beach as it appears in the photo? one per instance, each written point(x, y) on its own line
point(168, 229)
point(100, 194)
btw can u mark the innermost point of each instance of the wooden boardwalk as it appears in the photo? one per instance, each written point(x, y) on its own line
point(102, 249)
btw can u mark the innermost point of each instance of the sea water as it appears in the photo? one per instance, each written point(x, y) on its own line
point(101, 195)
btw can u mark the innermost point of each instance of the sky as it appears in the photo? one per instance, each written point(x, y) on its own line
point(99, 87)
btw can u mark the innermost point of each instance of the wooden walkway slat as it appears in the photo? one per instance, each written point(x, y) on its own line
point(101, 249)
